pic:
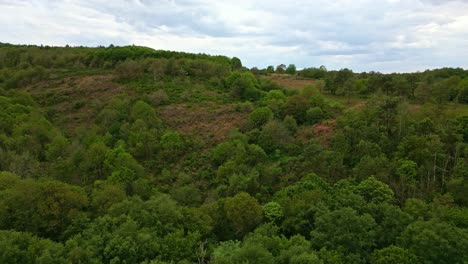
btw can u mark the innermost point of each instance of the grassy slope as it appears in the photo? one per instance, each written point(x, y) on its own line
point(451, 109)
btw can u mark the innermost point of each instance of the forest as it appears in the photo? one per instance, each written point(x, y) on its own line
point(135, 155)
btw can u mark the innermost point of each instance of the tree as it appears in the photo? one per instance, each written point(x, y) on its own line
point(274, 136)
point(314, 115)
point(290, 123)
point(129, 69)
point(375, 191)
point(435, 242)
point(270, 69)
point(297, 106)
point(122, 167)
point(145, 112)
point(344, 230)
point(46, 208)
point(259, 117)
point(463, 91)
point(393, 255)
point(274, 100)
point(172, 142)
point(244, 213)
point(104, 195)
point(291, 69)
point(19, 247)
point(458, 184)
point(280, 68)
point(273, 212)
point(243, 86)
point(236, 63)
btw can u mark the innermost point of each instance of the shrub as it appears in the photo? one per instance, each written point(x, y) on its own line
point(314, 115)
point(259, 117)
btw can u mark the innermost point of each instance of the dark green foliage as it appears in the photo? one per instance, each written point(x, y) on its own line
point(19, 247)
point(463, 92)
point(291, 69)
point(132, 155)
point(274, 136)
point(243, 86)
point(314, 115)
point(345, 230)
point(244, 213)
point(435, 242)
point(45, 208)
point(236, 63)
point(297, 106)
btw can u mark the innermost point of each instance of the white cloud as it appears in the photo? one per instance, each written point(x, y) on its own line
point(384, 35)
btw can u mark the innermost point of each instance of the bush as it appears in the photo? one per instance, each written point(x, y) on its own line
point(158, 98)
point(297, 106)
point(274, 136)
point(314, 115)
point(129, 69)
point(290, 123)
point(259, 117)
point(243, 86)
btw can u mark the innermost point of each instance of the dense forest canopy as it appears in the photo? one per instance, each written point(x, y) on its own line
point(134, 155)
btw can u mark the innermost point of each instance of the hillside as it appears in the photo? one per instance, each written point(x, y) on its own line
point(134, 155)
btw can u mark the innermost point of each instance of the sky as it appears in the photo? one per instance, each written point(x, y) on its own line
point(363, 35)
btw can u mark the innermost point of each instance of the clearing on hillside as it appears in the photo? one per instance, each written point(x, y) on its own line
point(74, 101)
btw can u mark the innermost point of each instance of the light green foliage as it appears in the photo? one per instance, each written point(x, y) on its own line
point(273, 212)
point(43, 208)
point(19, 247)
point(145, 112)
point(243, 86)
point(8, 180)
point(274, 100)
point(375, 191)
point(172, 142)
point(407, 171)
point(122, 167)
point(259, 117)
point(393, 255)
point(150, 167)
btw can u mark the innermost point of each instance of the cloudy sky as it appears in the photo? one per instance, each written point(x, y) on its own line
point(364, 35)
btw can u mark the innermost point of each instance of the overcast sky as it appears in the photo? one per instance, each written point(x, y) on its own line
point(364, 35)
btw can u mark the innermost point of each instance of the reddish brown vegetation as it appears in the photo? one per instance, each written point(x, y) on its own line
point(291, 82)
point(207, 121)
point(74, 101)
point(322, 131)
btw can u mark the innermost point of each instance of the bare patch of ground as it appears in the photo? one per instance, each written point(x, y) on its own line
point(209, 122)
point(290, 82)
point(74, 101)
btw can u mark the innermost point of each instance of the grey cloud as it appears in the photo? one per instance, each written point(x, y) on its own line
point(384, 35)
